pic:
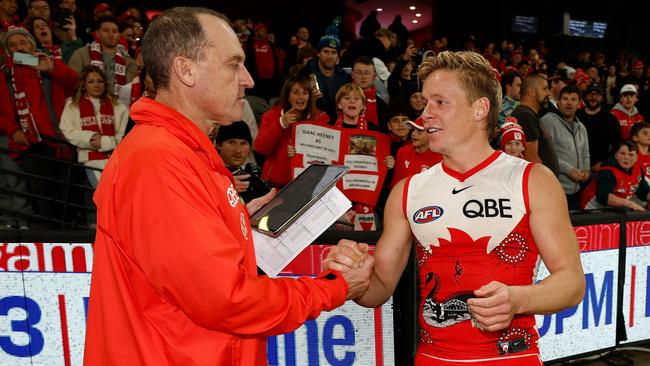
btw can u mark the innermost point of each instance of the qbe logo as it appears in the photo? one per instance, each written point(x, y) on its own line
point(427, 214)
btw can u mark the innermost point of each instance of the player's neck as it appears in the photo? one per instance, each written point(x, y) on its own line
point(466, 157)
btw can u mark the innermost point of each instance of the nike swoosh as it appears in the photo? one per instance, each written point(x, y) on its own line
point(455, 191)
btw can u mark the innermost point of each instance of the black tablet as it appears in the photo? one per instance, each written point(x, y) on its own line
point(296, 197)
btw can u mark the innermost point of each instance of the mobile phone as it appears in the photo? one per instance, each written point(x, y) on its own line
point(62, 17)
point(25, 59)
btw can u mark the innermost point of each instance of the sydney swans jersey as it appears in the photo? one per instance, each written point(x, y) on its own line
point(471, 229)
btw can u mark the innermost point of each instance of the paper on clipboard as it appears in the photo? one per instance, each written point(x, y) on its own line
point(274, 254)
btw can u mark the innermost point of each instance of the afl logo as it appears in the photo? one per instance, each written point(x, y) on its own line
point(427, 214)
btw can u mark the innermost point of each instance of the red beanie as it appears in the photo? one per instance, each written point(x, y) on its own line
point(512, 131)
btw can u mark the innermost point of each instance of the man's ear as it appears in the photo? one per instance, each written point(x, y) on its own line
point(183, 69)
point(481, 108)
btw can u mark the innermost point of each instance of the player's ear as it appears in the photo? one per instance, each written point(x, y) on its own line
point(481, 108)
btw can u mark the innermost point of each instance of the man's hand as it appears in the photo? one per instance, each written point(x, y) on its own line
point(241, 182)
point(389, 161)
point(494, 306)
point(45, 63)
point(291, 151)
point(71, 28)
point(346, 255)
point(576, 175)
point(20, 138)
point(359, 279)
point(259, 202)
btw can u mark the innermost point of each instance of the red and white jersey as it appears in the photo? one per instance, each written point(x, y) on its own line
point(471, 228)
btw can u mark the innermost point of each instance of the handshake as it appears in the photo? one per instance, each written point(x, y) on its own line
point(355, 264)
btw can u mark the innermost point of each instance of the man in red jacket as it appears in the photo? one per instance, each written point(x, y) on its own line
point(174, 274)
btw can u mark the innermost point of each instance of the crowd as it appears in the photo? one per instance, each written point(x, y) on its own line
point(62, 80)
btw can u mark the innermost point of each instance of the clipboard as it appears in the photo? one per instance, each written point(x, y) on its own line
point(295, 198)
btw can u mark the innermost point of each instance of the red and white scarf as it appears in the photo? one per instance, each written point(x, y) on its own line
point(361, 122)
point(25, 116)
point(105, 126)
point(97, 59)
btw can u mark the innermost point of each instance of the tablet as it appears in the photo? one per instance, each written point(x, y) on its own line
point(296, 197)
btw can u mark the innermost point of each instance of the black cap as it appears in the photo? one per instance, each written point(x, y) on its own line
point(594, 87)
point(237, 130)
point(560, 74)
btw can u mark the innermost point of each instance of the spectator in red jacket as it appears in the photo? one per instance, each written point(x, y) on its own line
point(625, 110)
point(39, 94)
point(296, 104)
point(415, 157)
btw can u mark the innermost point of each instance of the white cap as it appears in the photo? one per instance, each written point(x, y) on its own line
point(629, 88)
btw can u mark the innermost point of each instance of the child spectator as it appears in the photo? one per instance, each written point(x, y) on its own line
point(625, 110)
point(513, 138)
point(617, 182)
point(640, 134)
point(415, 157)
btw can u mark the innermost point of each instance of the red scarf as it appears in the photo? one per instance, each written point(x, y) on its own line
point(361, 122)
point(371, 105)
point(97, 59)
point(105, 126)
point(23, 110)
point(136, 91)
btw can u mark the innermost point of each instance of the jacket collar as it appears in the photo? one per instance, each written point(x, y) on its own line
point(147, 111)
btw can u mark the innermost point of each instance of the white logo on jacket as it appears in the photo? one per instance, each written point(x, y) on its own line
point(232, 195)
point(244, 227)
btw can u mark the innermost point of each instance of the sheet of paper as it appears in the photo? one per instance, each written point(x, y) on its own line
point(273, 254)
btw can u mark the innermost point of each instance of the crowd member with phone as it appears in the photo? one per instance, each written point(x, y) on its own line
point(36, 109)
point(45, 40)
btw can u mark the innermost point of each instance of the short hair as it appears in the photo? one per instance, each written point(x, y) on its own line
point(637, 127)
point(528, 82)
point(570, 89)
point(364, 60)
point(350, 88)
point(176, 32)
point(310, 111)
point(508, 78)
point(105, 19)
point(631, 145)
point(475, 75)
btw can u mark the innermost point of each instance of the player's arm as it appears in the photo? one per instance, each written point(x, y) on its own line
point(553, 233)
point(391, 253)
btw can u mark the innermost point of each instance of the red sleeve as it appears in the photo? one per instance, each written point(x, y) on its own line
point(270, 132)
point(65, 76)
point(182, 243)
point(322, 118)
point(8, 123)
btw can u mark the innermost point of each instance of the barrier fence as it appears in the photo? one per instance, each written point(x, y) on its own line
point(45, 278)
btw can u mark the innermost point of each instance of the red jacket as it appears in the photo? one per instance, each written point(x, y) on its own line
point(174, 276)
point(409, 162)
point(64, 81)
point(626, 119)
point(272, 141)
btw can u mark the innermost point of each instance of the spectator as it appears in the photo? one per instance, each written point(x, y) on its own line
point(416, 104)
point(640, 135)
point(556, 83)
point(363, 75)
point(571, 145)
point(415, 157)
point(401, 82)
point(398, 131)
point(625, 110)
point(329, 76)
point(610, 84)
point(64, 20)
point(234, 144)
point(534, 96)
point(273, 141)
point(369, 25)
point(43, 34)
point(400, 31)
point(37, 109)
point(513, 139)
point(511, 87)
point(618, 180)
point(40, 9)
point(602, 127)
point(94, 121)
point(8, 16)
point(264, 61)
point(119, 67)
point(375, 46)
point(297, 42)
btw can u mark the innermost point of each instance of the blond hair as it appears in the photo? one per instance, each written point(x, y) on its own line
point(476, 76)
point(350, 88)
